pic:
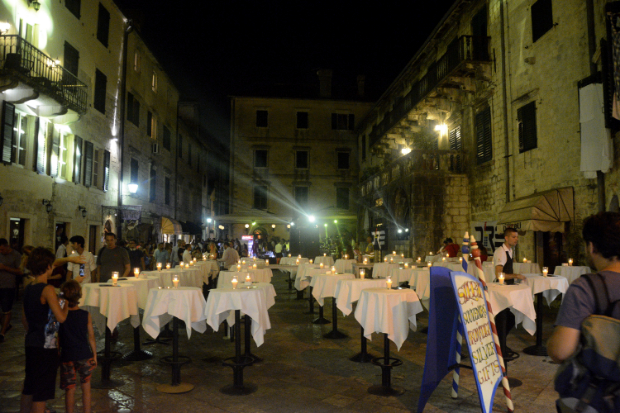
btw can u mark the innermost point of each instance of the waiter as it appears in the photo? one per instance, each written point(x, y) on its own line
point(503, 259)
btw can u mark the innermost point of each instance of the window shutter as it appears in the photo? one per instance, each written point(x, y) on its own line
point(55, 153)
point(136, 112)
point(149, 120)
point(334, 121)
point(106, 171)
point(77, 159)
point(484, 150)
point(527, 127)
point(130, 107)
point(456, 144)
point(103, 25)
point(88, 163)
point(8, 133)
point(39, 142)
point(153, 185)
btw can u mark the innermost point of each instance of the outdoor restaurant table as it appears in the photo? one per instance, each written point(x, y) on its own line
point(210, 269)
point(391, 312)
point(433, 258)
point(398, 258)
point(422, 285)
point(401, 275)
point(114, 303)
point(549, 288)
point(225, 277)
point(571, 272)
point(293, 261)
point(181, 303)
point(344, 266)
point(526, 268)
point(305, 271)
point(357, 267)
point(324, 285)
point(143, 285)
point(519, 299)
point(382, 269)
point(191, 277)
point(327, 261)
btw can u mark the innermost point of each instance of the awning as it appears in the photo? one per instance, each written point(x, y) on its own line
point(544, 211)
point(191, 228)
point(170, 226)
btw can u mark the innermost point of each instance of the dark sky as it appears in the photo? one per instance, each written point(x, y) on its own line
point(214, 49)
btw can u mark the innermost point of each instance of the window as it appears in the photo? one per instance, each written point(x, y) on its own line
point(53, 152)
point(154, 82)
point(301, 196)
point(153, 185)
point(260, 197)
point(77, 159)
point(484, 152)
point(101, 82)
point(133, 109)
point(63, 155)
point(260, 158)
point(342, 198)
point(542, 18)
point(166, 138)
point(167, 191)
point(262, 118)
point(41, 128)
point(526, 116)
point(137, 60)
point(96, 161)
point(135, 165)
point(180, 146)
point(88, 164)
point(151, 125)
point(25, 31)
point(456, 144)
point(301, 160)
point(106, 170)
point(302, 120)
point(72, 60)
point(342, 121)
point(103, 25)
point(343, 160)
point(20, 139)
point(363, 147)
point(74, 7)
point(8, 133)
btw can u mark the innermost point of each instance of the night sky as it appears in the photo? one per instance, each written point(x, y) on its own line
point(214, 49)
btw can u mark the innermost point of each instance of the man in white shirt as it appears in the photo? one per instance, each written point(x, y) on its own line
point(62, 252)
point(81, 272)
point(174, 256)
point(278, 249)
point(187, 254)
point(230, 257)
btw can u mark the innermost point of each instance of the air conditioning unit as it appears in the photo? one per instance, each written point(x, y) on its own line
point(155, 147)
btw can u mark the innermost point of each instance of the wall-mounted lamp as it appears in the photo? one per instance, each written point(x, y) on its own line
point(4, 28)
point(48, 205)
point(442, 129)
point(273, 227)
point(247, 226)
point(405, 150)
point(221, 227)
point(83, 211)
point(35, 5)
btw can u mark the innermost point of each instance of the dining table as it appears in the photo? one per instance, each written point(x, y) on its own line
point(257, 275)
point(393, 313)
point(293, 261)
point(344, 265)
point(526, 267)
point(326, 260)
point(190, 277)
point(382, 269)
point(571, 272)
point(324, 285)
point(186, 304)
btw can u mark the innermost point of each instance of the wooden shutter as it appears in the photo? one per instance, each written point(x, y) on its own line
point(136, 112)
point(8, 131)
point(456, 144)
point(149, 121)
point(106, 170)
point(103, 25)
point(39, 147)
point(527, 127)
point(54, 153)
point(88, 163)
point(101, 84)
point(153, 185)
point(484, 150)
point(130, 107)
point(77, 159)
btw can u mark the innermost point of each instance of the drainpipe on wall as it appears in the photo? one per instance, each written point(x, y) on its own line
point(505, 103)
point(176, 166)
point(121, 132)
point(600, 176)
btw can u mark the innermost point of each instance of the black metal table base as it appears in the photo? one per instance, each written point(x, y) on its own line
point(386, 363)
point(539, 349)
point(176, 361)
point(137, 354)
point(363, 356)
point(310, 302)
point(106, 360)
point(335, 334)
point(321, 319)
point(248, 341)
point(238, 362)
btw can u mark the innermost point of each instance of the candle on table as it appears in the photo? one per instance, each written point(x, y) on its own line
point(297, 262)
point(321, 265)
point(254, 258)
point(175, 281)
point(447, 255)
point(570, 261)
point(406, 265)
point(391, 259)
point(325, 254)
point(234, 282)
point(159, 266)
point(443, 259)
point(167, 266)
point(136, 272)
point(254, 266)
point(311, 261)
point(299, 256)
point(191, 263)
point(238, 267)
point(419, 259)
point(204, 257)
point(460, 259)
point(248, 280)
point(362, 273)
point(501, 278)
point(402, 255)
point(289, 255)
point(430, 264)
point(388, 283)
point(430, 253)
point(545, 271)
point(333, 270)
point(524, 260)
point(365, 260)
point(114, 278)
point(266, 262)
point(393, 252)
point(194, 259)
point(243, 262)
point(385, 259)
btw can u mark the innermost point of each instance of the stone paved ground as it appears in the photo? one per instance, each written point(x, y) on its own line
point(301, 371)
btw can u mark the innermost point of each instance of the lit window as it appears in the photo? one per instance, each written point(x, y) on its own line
point(20, 137)
point(154, 82)
point(136, 61)
point(62, 155)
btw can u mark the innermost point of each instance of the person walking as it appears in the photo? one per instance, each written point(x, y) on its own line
point(82, 273)
point(112, 258)
point(161, 256)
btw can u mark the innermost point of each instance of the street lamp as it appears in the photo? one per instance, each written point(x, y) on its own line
point(133, 188)
point(311, 218)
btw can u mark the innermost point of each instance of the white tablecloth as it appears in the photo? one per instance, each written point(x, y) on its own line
point(209, 268)
point(302, 279)
point(114, 303)
point(185, 303)
point(357, 267)
point(422, 284)
point(519, 299)
point(526, 268)
point(432, 258)
point(192, 277)
point(550, 287)
point(293, 261)
point(344, 266)
point(291, 269)
point(401, 275)
point(571, 272)
point(349, 291)
point(392, 312)
point(327, 261)
point(398, 259)
point(254, 302)
point(324, 285)
point(143, 285)
point(225, 277)
point(382, 269)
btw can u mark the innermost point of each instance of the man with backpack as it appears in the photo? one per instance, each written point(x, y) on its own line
point(589, 378)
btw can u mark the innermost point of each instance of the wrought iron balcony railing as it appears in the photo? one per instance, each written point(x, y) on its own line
point(39, 70)
point(417, 161)
point(464, 49)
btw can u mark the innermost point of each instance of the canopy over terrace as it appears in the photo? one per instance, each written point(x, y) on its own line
point(170, 226)
point(544, 211)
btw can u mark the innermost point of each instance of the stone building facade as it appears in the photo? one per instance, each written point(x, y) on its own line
point(483, 127)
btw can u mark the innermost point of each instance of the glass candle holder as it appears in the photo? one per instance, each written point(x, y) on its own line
point(501, 277)
point(136, 272)
point(114, 278)
point(159, 266)
point(388, 283)
point(545, 271)
point(234, 282)
point(175, 281)
point(362, 273)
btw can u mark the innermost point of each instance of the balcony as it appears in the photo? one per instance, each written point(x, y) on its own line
point(415, 162)
point(38, 71)
point(458, 58)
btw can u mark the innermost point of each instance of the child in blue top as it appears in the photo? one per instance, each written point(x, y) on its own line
point(78, 350)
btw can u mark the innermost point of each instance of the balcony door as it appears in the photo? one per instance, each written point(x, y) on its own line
point(479, 33)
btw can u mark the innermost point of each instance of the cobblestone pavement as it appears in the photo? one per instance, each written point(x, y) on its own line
point(301, 371)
